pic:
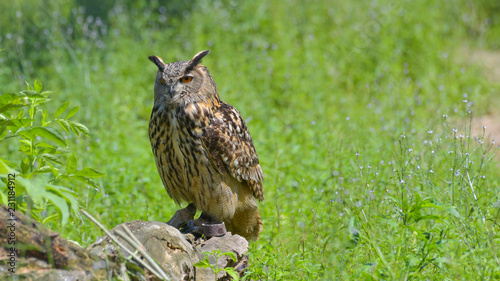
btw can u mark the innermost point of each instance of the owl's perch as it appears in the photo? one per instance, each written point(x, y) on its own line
point(42, 254)
point(176, 253)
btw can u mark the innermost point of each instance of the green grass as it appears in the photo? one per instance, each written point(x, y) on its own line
point(364, 177)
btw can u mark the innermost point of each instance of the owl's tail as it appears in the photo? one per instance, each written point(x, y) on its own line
point(246, 222)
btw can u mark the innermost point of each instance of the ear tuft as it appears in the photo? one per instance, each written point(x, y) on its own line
point(197, 59)
point(158, 61)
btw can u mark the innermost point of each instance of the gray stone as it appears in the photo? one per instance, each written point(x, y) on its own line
point(177, 253)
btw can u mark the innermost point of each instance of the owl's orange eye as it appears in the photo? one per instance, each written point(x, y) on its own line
point(162, 81)
point(186, 79)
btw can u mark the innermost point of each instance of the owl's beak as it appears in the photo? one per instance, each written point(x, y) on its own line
point(171, 90)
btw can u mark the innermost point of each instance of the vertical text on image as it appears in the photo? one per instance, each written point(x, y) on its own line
point(11, 224)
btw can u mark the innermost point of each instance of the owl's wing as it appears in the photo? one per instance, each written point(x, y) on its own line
point(231, 149)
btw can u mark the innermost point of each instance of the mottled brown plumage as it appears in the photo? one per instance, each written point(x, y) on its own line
point(202, 147)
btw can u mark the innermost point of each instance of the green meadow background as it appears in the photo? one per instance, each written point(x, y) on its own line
point(361, 112)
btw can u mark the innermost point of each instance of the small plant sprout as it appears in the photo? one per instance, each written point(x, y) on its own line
point(217, 254)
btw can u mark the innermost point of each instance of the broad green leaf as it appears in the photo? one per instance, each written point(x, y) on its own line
point(35, 96)
point(89, 181)
point(38, 86)
point(62, 150)
point(64, 124)
point(232, 272)
point(89, 173)
point(85, 180)
point(28, 86)
point(50, 218)
point(25, 142)
point(67, 194)
point(60, 203)
point(417, 197)
point(55, 171)
point(44, 118)
point(430, 205)
point(46, 146)
point(5, 122)
point(353, 233)
point(453, 211)
point(79, 128)
point(10, 100)
point(71, 165)
point(73, 200)
point(51, 157)
point(32, 112)
point(35, 187)
point(72, 112)
point(20, 122)
point(428, 217)
point(3, 132)
point(352, 226)
point(43, 170)
point(60, 188)
point(36, 216)
point(45, 132)
point(202, 263)
point(61, 109)
point(31, 94)
point(4, 168)
point(232, 255)
point(25, 166)
point(46, 94)
point(7, 107)
point(25, 148)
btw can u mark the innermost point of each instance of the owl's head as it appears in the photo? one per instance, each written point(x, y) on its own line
point(186, 81)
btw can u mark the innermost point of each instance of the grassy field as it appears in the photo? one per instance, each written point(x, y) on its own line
point(360, 113)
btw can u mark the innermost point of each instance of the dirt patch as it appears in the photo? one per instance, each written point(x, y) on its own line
point(491, 123)
point(490, 60)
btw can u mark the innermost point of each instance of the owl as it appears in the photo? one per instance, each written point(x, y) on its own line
point(202, 147)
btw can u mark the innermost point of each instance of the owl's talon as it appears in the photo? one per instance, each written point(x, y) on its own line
point(190, 227)
point(182, 216)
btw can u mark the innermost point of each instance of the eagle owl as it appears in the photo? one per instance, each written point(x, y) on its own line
point(203, 150)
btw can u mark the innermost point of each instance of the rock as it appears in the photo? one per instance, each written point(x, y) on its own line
point(177, 253)
point(226, 243)
point(163, 242)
